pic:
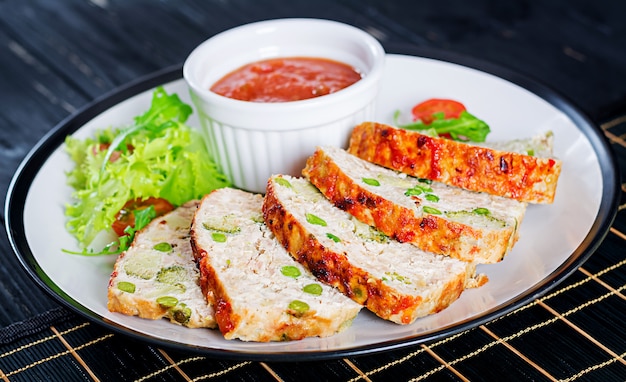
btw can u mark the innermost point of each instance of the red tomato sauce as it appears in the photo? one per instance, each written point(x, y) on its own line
point(286, 79)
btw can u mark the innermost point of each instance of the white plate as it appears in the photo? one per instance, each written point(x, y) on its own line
point(555, 239)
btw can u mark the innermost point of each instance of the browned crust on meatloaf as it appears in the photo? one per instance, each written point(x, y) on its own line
point(227, 319)
point(207, 278)
point(513, 175)
point(213, 289)
point(428, 232)
point(335, 269)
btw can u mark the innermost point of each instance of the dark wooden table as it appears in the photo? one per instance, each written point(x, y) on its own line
point(58, 56)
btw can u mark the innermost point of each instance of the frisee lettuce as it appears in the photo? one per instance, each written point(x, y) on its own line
point(142, 218)
point(157, 155)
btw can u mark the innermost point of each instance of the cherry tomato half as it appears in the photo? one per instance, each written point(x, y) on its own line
point(126, 216)
point(424, 111)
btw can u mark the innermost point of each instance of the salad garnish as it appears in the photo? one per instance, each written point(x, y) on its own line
point(447, 118)
point(157, 158)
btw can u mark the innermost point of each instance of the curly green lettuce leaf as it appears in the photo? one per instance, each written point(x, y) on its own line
point(158, 155)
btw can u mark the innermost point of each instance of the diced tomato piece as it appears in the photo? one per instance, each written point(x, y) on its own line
point(100, 147)
point(424, 111)
point(115, 155)
point(126, 216)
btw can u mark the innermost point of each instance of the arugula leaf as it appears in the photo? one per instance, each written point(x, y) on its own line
point(142, 218)
point(464, 128)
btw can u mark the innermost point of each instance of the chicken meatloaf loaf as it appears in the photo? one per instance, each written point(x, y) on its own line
point(397, 281)
point(526, 176)
point(467, 225)
point(260, 292)
point(157, 276)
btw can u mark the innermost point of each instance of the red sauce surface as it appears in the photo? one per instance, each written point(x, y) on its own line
point(286, 79)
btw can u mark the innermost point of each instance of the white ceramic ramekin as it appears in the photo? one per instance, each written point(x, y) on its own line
point(250, 141)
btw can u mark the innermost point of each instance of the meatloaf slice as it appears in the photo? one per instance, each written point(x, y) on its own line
point(260, 292)
point(397, 281)
point(467, 225)
point(528, 175)
point(157, 276)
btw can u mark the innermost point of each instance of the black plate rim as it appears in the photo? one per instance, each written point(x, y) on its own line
point(21, 182)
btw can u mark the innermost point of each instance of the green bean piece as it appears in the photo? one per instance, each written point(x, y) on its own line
point(163, 247)
point(333, 237)
point(314, 289)
point(125, 286)
point(299, 307)
point(290, 271)
point(283, 182)
point(481, 211)
point(431, 197)
point(431, 210)
point(371, 181)
point(167, 301)
point(315, 220)
point(218, 237)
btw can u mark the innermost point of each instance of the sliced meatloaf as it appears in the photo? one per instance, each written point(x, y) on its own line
point(157, 276)
point(397, 281)
point(260, 292)
point(467, 225)
point(528, 175)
